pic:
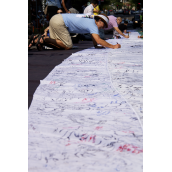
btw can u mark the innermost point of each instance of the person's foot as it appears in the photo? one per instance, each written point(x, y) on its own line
point(39, 41)
point(35, 41)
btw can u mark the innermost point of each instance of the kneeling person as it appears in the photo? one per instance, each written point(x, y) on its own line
point(61, 25)
point(123, 27)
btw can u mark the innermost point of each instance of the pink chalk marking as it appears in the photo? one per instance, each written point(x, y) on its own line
point(135, 147)
point(98, 128)
point(52, 82)
point(128, 147)
point(128, 131)
point(68, 144)
point(92, 138)
point(136, 151)
point(87, 100)
point(69, 127)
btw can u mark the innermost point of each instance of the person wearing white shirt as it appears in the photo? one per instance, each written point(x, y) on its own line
point(90, 8)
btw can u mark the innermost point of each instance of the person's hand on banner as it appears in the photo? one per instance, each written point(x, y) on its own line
point(116, 46)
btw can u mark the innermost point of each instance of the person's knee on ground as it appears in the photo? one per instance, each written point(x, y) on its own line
point(68, 46)
point(58, 44)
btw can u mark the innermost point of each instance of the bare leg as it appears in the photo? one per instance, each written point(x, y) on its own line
point(36, 40)
point(56, 42)
point(32, 41)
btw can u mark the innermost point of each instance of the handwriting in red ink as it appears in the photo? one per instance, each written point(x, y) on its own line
point(128, 132)
point(131, 148)
point(85, 100)
point(98, 128)
point(52, 82)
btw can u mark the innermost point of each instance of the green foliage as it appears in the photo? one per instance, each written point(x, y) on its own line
point(135, 2)
point(106, 4)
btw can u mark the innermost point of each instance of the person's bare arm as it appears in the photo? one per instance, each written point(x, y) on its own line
point(46, 30)
point(96, 11)
point(119, 31)
point(97, 40)
point(95, 43)
point(64, 6)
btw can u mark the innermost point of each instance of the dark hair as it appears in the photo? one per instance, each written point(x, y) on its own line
point(97, 18)
point(94, 1)
point(126, 22)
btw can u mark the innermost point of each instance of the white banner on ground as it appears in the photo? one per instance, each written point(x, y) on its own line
point(85, 114)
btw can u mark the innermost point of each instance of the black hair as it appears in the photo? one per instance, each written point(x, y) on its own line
point(126, 22)
point(97, 19)
point(94, 1)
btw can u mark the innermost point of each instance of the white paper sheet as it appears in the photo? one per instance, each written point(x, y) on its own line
point(81, 119)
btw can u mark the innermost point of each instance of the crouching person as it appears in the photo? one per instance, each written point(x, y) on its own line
point(61, 25)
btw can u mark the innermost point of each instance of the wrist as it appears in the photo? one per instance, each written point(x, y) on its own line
point(111, 46)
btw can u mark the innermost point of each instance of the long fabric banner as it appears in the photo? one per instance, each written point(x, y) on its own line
point(86, 115)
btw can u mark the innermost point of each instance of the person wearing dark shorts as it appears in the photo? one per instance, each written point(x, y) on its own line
point(123, 27)
point(53, 7)
point(66, 4)
point(67, 7)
